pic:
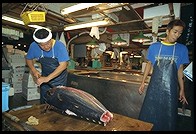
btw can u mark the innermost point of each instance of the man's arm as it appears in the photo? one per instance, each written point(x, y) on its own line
point(34, 71)
point(182, 97)
point(146, 72)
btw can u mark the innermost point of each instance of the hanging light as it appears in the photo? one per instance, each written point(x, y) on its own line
point(92, 44)
point(93, 23)
point(77, 7)
point(119, 41)
point(140, 38)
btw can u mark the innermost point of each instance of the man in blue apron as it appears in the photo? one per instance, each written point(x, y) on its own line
point(166, 58)
point(53, 57)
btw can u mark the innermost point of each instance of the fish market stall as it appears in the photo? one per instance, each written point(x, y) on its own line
point(54, 121)
point(118, 91)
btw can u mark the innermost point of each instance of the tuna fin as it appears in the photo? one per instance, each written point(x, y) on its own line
point(70, 112)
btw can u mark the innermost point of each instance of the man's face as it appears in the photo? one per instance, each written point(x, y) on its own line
point(46, 46)
point(174, 33)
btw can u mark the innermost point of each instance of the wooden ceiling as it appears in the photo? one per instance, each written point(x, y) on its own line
point(130, 19)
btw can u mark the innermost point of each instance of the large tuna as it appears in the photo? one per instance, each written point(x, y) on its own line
point(78, 103)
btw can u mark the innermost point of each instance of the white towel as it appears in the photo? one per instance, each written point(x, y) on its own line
point(94, 32)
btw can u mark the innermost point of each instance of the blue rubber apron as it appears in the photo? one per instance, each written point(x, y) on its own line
point(161, 100)
point(49, 64)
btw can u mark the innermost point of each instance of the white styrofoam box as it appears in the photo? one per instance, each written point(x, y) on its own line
point(17, 89)
point(6, 73)
point(17, 74)
point(8, 50)
point(18, 51)
point(18, 61)
point(7, 53)
point(32, 97)
point(18, 65)
point(17, 85)
point(31, 93)
point(17, 56)
point(18, 69)
point(17, 78)
point(7, 80)
point(9, 46)
point(28, 81)
point(30, 90)
point(14, 65)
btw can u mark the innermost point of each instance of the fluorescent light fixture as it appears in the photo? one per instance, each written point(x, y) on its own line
point(12, 20)
point(35, 26)
point(77, 7)
point(87, 24)
point(7, 18)
point(137, 56)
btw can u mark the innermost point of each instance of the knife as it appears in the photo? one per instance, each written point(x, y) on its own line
point(17, 120)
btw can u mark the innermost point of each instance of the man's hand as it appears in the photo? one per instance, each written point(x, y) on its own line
point(41, 79)
point(36, 74)
point(182, 98)
point(141, 88)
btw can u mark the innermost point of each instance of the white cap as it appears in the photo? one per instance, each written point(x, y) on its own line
point(45, 39)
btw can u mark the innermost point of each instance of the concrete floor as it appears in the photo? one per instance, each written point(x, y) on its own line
point(184, 123)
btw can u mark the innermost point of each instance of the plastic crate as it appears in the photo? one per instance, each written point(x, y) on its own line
point(5, 95)
point(33, 16)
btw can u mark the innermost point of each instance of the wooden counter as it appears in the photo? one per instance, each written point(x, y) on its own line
point(53, 121)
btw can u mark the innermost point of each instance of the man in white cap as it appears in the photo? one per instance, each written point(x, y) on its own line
point(53, 57)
